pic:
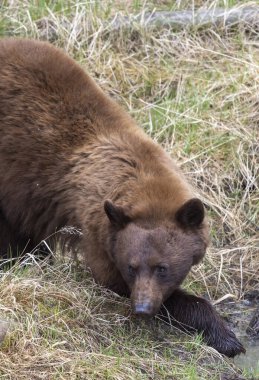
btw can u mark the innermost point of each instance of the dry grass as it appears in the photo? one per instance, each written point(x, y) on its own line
point(196, 92)
point(63, 326)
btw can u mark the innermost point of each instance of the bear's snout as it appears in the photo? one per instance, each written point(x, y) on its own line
point(146, 297)
point(144, 308)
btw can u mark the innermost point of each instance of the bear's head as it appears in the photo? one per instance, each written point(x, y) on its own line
point(154, 257)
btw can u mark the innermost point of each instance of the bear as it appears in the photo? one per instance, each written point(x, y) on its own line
point(71, 156)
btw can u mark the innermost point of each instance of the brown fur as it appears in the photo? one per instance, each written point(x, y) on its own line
point(69, 155)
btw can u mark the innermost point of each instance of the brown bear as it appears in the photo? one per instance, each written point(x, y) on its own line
point(70, 156)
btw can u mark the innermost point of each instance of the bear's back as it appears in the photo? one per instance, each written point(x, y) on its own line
point(48, 96)
point(59, 132)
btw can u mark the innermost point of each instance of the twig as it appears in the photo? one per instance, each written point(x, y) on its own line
point(187, 18)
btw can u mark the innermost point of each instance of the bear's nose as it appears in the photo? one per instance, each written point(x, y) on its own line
point(143, 308)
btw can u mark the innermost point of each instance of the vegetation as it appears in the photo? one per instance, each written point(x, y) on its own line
point(196, 92)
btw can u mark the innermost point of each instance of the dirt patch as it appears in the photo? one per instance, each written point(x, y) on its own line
point(243, 317)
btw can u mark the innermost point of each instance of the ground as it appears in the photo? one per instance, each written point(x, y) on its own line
point(196, 92)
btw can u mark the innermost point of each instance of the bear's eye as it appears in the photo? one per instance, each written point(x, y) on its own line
point(132, 271)
point(161, 270)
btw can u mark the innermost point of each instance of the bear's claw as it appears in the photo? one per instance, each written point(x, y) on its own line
point(225, 343)
point(195, 314)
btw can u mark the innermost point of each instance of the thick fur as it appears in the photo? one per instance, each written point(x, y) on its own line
point(191, 313)
point(70, 156)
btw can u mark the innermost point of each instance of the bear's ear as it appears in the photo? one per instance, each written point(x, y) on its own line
point(191, 213)
point(116, 214)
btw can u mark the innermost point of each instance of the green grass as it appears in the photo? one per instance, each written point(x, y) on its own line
point(66, 327)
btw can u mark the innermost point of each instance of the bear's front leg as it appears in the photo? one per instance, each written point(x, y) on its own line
point(194, 314)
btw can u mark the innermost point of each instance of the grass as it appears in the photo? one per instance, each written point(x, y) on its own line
point(194, 91)
point(63, 326)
